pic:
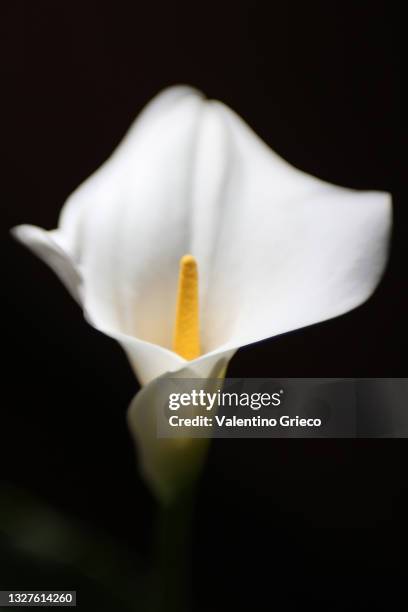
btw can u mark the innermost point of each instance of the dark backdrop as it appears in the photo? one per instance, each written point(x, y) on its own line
point(280, 525)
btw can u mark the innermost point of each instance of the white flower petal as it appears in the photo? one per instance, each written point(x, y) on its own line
point(46, 245)
point(128, 224)
point(279, 249)
point(73, 213)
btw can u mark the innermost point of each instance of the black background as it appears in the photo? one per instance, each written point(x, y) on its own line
point(280, 525)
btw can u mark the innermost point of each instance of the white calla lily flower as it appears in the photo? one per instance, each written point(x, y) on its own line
point(276, 249)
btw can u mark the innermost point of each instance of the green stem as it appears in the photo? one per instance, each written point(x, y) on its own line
point(173, 554)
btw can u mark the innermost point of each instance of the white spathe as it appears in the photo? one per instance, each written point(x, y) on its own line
point(276, 249)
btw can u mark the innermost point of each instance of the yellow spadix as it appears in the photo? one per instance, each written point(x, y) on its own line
point(186, 339)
